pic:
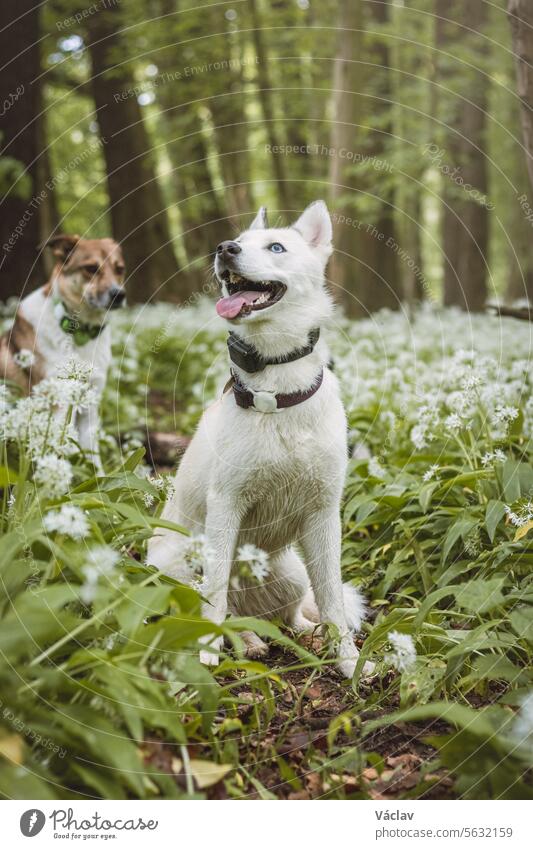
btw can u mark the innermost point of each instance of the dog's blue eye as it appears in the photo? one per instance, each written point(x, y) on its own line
point(276, 248)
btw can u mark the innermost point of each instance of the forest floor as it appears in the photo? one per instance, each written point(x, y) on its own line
point(289, 758)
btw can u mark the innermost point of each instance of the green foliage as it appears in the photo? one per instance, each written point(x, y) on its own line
point(100, 654)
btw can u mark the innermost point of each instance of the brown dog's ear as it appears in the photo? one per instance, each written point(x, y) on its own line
point(61, 245)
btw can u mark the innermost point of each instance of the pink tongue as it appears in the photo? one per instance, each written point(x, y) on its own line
point(231, 306)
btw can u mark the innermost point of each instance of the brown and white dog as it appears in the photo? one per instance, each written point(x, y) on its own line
point(67, 318)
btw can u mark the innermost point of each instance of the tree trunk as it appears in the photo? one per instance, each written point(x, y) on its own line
point(228, 113)
point(20, 100)
point(202, 215)
point(297, 78)
point(521, 20)
point(462, 160)
point(365, 266)
point(412, 269)
point(138, 212)
point(267, 106)
point(519, 256)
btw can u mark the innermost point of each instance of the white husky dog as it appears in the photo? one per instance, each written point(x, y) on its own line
point(267, 463)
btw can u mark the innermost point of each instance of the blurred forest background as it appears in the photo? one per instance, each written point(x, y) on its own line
point(167, 123)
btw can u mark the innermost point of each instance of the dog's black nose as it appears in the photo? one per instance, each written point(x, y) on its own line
point(229, 247)
point(117, 296)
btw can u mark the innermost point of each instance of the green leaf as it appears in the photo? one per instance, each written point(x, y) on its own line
point(35, 619)
point(7, 476)
point(521, 620)
point(494, 667)
point(426, 494)
point(141, 603)
point(480, 595)
point(511, 480)
point(419, 683)
point(103, 743)
point(460, 528)
point(494, 513)
point(134, 459)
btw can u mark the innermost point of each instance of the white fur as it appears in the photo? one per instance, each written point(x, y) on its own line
point(56, 347)
point(273, 479)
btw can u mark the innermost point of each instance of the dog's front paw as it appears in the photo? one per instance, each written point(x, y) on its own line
point(210, 655)
point(348, 657)
point(347, 668)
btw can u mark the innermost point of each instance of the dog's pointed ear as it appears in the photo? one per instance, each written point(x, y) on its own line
point(260, 221)
point(314, 224)
point(61, 245)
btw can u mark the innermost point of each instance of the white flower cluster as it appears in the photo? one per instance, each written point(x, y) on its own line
point(521, 515)
point(53, 476)
point(24, 358)
point(430, 473)
point(253, 563)
point(43, 422)
point(165, 486)
point(68, 520)
point(101, 562)
point(198, 554)
point(403, 655)
point(490, 458)
point(441, 372)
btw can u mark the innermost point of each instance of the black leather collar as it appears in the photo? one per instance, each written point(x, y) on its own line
point(246, 357)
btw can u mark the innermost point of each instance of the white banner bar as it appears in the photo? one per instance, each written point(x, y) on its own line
point(232, 824)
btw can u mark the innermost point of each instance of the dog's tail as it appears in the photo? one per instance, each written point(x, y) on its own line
point(355, 607)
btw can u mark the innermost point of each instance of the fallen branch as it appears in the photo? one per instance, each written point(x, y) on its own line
point(523, 313)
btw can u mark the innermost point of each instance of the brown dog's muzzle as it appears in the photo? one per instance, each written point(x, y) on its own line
point(117, 296)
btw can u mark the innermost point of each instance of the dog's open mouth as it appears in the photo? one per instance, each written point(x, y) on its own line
point(246, 296)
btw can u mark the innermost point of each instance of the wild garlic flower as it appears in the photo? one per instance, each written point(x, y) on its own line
point(256, 561)
point(53, 476)
point(75, 369)
point(521, 516)
point(491, 457)
point(431, 472)
point(164, 484)
point(199, 555)
point(403, 655)
point(148, 499)
point(100, 562)
point(68, 520)
point(453, 422)
point(375, 469)
point(24, 358)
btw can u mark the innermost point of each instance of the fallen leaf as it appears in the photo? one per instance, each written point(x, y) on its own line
point(207, 773)
point(12, 748)
point(409, 759)
point(523, 530)
point(370, 773)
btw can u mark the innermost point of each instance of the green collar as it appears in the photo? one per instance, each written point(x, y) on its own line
point(81, 333)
